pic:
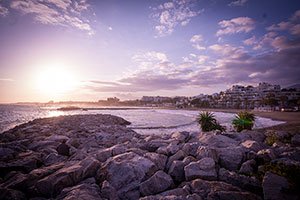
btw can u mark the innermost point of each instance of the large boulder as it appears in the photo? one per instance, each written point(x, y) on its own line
point(217, 141)
point(204, 169)
point(274, 186)
point(159, 182)
point(177, 171)
point(230, 157)
point(159, 160)
point(125, 172)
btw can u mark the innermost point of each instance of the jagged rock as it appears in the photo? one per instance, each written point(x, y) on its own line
point(159, 182)
point(180, 136)
point(247, 167)
point(225, 195)
point(191, 148)
point(250, 135)
point(231, 157)
point(204, 169)
point(176, 171)
point(125, 172)
point(251, 145)
point(274, 186)
point(9, 194)
point(103, 154)
point(6, 154)
point(159, 160)
point(203, 188)
point(250, 184)
point(193, 197)
point(53, 158)
point(187, 160)
point(295, 140)
point(108, 191)
point(178, 156)
point(204, 151)
point(168, 150)
point(16, 180)
point(66, 177)
point(88, 190)
point(217, 141)
point(266, 155)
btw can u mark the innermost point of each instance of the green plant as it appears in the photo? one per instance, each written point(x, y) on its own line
point(243, 121)
point(208, 122)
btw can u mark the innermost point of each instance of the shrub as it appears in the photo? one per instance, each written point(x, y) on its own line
point(208, 122)
point(243, 121)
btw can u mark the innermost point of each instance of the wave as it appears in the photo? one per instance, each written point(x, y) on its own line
point(163, 127)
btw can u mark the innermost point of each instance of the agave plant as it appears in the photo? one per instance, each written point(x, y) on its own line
point(208, 122)
point(243, 121)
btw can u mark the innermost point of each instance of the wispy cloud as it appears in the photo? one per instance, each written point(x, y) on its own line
point(238, 3)
point(196, 41)
point(6, 79)
point(292, 25)
point(172, 14)
point(236, 25)
point(66, 13)
point(3, 11)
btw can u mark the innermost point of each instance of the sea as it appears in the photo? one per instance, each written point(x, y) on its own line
point(147, 121)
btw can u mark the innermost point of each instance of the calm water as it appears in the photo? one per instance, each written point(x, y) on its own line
point(144, 121)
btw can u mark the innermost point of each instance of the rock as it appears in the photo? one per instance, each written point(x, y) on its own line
point(180, 136)
point(176, 171)
point(6, 154)
point(231, 157)
point(16, 181)
point(273, 187)
point(203, 188)
point(250, 135)
point(108, 191)
point(178, 156)
point(118, 149)
point(204, 151)
point(247, 167)
point(193, 197)
point(265, 155)
point(250, 184)
point(225, 195)
point(296, 140)
point(103, 154)
point(85, 190)
point(171, 149)
point(9, 194)
point(204, 169)
point(251, 145)
point(217, 141)
point(53, 158)
point(159, 160)
point(58, 138)
point(125, 172)
point(179, 192)
point(191, 148)
point(159, 182)
point(66, 177)
point(63, 149)
point(153, 145)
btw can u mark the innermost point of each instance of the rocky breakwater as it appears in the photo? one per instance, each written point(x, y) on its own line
point(97, 157)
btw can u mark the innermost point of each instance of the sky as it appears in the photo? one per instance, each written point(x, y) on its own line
point(87, 50)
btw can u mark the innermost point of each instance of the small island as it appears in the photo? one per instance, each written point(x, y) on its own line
point(98, 157)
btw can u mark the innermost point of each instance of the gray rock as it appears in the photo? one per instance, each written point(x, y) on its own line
point(191, 148)
point(178, 156)
point(103, 154)
point(9, 194)
point(168, 150)
point(296, 140)
point(266, 155)
point(108, 191)
point(125, 172)
point(176, 171)
point(231, 157)
point(204, 169)
point(204, 151)
point(273, 186)
point(250, 184)
point(217, 141)
point(180, 136)
point(251, 145)
point(6, 154)
point(225, 195)
point(159, 182)
point(159, 160)
point(63, 149)
point(247, 167)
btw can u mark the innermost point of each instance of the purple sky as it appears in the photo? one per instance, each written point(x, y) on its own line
point(90, 50)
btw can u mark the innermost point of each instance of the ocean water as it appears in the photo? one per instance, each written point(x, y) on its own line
point(144, 121)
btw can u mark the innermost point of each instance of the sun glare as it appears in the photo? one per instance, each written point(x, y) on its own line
point(55, 80)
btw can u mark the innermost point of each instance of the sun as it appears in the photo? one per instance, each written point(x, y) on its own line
point(55, 80)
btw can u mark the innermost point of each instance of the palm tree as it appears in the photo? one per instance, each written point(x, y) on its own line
point(243, 121)
point(208, 122)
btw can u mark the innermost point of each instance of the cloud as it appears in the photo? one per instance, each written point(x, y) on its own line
point(236, 25)
point(196, 42)
point(172, 14)
point(6, 79)
point(238, 3)
point(250, 41)
point(56, 12)
point(292, 25)
point(3, 11)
